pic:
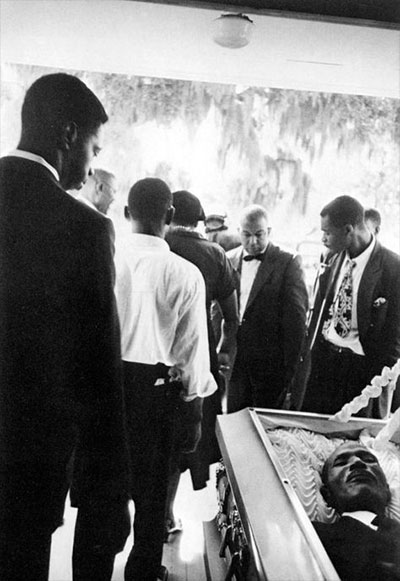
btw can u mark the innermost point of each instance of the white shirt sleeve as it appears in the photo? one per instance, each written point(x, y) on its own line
point(191, 350)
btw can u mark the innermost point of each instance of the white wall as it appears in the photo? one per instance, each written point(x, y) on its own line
point(169, 41)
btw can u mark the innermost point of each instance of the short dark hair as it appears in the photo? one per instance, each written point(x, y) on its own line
point(373, 215)
point(188, 208)
point(149, 200)
point(60, 98)
point(344, 210)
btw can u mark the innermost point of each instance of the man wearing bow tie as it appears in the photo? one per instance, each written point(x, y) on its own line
point(273, 305)
point(364, 544)
point(354, 328)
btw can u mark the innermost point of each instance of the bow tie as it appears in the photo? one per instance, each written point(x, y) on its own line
point(253, 257)
point(378, 521)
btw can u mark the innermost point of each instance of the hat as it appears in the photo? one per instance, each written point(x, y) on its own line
point(188, 209)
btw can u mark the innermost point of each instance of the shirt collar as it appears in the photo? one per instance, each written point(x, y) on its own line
point(36, 159)
point(362, 259)
point(84, 200)
point(364, 516)
point(147, 241)
point(182, 231)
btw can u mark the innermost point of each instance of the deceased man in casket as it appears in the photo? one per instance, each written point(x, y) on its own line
point(364, 544)
point(325, 479)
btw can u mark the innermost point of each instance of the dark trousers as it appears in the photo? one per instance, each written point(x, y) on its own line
point(100, 533)
point(336, 378)
point(254, 384)
point(25, 555)
point(150, 411)
point(32, 497)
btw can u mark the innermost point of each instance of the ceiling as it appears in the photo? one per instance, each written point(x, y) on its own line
point(174, 40)
point(366, 12)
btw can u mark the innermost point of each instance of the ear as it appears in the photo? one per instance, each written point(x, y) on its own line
point(127, 213)
point(169, 215)
point(99, 187)
point(349, 229)
point(326, 495)
point(69, 136)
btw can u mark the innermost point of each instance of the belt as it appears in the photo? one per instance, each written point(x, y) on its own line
point(339, 350)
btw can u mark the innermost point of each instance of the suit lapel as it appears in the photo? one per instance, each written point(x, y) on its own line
point(371, 275)
point(236, 258)
point(264, 272)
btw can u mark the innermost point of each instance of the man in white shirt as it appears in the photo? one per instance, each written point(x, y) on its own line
point(364, 544)
point(99, 191)
point(354, 328)
point(161, 306)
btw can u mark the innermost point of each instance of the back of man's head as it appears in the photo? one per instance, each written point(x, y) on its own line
point(188, 209)
point(58, 99)
point(150, 202)
point(344, 210)
point(373, 220)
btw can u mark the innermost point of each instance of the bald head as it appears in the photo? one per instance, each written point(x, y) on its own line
point(254, 229)
point(100, 189)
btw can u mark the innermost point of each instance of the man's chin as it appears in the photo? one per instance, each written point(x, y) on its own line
point(364, 497)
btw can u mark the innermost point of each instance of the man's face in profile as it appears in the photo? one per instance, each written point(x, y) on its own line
point(79, 157)
point(354, 480)
point(334, 238)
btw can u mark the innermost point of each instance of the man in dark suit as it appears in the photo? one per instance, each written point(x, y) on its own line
point(363, 544)
point(60, 373)
point(273, 305)
point(354, 328)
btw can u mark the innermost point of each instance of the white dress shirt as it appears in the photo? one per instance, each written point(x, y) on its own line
point(37, 159)
point(161, 306)
point(247, 276)
point(364, 516)
point(352, 340)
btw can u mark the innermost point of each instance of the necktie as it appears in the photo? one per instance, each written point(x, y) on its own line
point(377, 521)
point(342, 316)
point(253, 257)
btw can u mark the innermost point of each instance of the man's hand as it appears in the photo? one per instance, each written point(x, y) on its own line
point(189, 417)
point(224, 361)
point(191, 437)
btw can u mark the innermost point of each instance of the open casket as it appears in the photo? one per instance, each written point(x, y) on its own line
point(268, 493)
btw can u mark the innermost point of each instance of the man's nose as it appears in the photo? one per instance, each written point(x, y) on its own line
point(90, 172)
point(357, 463)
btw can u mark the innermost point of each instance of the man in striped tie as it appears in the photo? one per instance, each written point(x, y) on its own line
point(354, 328)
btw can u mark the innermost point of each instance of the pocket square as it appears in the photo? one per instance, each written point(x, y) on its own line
point(379, 302)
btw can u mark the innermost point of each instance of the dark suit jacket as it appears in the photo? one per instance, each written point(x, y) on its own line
point(273, 325)
point(357, 551)
point(379, 325)
point(60, 347)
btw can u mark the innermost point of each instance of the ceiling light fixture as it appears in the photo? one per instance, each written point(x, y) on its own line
point(232, 30)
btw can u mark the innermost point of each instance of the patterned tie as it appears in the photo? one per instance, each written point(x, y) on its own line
point(342, 316)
